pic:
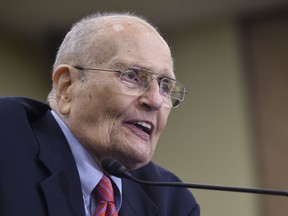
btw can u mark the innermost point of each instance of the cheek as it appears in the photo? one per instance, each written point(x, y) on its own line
point(102, 105)
point(97, 96)
point(163, 118)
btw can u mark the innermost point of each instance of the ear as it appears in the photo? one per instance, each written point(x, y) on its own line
point(63, 78)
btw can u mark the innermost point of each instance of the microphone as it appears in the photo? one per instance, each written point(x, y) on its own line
point(115, 168)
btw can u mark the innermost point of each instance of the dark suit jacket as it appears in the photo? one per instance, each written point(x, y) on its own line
point(38, 175)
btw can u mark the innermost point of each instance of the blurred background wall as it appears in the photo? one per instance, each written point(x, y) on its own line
point(232, 56)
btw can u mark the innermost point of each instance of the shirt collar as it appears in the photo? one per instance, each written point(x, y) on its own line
point(89, 172)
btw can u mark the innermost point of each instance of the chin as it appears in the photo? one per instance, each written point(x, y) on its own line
point(132, 162)
point(132, 153)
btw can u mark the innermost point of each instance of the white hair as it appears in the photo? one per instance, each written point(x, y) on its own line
point(77, 48)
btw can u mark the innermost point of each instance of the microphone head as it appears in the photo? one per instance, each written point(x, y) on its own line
point(115, 168)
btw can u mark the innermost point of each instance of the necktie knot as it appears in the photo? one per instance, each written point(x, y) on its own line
point(105, 198)
point(104, 190)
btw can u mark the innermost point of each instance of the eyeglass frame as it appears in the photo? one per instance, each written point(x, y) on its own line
point(159, 78)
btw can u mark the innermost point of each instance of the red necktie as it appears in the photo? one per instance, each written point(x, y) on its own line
point(105, 198)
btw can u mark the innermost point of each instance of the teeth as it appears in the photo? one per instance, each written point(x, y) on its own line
point(144, 124)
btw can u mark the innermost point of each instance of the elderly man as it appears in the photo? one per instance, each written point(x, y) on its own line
point(113, 90)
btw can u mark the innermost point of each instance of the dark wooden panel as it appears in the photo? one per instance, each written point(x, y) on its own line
point(266, 40)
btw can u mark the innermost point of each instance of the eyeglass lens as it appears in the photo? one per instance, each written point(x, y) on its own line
point(171, 90)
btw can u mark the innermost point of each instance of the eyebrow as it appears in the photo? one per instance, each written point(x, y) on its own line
point(134, 66)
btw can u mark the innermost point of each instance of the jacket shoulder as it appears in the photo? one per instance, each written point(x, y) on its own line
point(171, 200)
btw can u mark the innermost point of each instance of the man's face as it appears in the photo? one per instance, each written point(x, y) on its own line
point(108, 121)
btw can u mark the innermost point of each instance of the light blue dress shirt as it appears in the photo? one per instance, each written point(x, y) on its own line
point(89, 172)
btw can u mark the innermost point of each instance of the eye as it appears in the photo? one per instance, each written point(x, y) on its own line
point(130, 76)
point(166, 86)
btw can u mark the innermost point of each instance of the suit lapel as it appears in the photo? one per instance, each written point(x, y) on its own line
point(61, 195)
point(135, 201)
point(62, 189)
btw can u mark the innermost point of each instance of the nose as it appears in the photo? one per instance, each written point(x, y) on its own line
point(152, 98)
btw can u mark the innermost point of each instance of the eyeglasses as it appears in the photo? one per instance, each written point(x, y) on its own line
point(138, 81)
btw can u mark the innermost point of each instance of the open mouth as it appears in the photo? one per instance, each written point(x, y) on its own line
point(143, 126)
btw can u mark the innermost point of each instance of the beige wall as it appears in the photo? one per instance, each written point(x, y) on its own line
point(208, 139)
point(23, 68)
